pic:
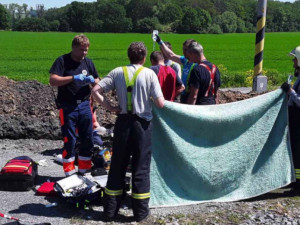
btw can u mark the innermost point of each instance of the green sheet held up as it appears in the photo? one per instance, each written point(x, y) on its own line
point(221, 152)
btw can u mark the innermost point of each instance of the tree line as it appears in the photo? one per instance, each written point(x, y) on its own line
point(143, 16)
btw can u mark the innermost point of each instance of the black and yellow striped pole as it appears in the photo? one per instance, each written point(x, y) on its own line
point(260, 81)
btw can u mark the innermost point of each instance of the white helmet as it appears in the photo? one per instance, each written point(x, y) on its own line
point(296, 53)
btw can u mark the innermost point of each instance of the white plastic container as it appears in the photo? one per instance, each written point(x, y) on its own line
point(155, 32)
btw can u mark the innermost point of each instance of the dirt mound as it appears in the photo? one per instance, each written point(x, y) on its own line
point(27, 109)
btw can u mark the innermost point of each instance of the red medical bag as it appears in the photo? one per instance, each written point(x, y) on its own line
point(18, 174)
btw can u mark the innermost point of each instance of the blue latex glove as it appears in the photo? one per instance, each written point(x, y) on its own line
point(89, 79)
point(79, 77)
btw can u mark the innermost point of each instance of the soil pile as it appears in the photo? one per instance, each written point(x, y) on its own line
point(27, 109)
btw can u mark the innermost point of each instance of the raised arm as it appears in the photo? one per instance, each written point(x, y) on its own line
point(167, 52)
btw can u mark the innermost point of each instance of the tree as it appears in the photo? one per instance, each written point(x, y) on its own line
point(114, 18)
point(80, 16)
point(54, 25)
point(140, 9)
point(241, 27)
point(194, 21)
point(4, 18)
point(25, 7)
point(147, 25)
point(40, 10)
point(228, 22)
point(170, 13)
point(32, 24)
point(215, 29)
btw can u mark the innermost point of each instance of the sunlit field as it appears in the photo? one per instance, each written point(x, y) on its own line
point(29, 55)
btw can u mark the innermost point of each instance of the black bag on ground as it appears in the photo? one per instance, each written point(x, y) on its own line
point(81, 191)
point(18, 174)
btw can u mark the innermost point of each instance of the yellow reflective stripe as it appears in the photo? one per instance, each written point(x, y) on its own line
point(188, 78)
point(112, 192)
point(140, 196)
point(297, 170)
point(130, 84)
point(125, 71)
point(129, 105)
point(129, 101)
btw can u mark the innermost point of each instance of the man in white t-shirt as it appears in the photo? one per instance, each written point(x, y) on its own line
point(136, 88)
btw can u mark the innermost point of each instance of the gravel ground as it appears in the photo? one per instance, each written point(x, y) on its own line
point(22, 115)
point(279, 207)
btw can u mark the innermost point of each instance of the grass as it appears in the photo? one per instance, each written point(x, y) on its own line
point(29, 55)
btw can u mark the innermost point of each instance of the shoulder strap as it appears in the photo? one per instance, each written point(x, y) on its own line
point(188, 77)
point(212, 73)
point(130, 84)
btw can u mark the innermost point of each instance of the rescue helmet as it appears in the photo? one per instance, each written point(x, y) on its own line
point(296, 53)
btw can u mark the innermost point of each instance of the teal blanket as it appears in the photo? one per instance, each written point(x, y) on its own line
point(220, 153)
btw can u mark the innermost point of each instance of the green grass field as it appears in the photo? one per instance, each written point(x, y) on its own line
point(29, 55)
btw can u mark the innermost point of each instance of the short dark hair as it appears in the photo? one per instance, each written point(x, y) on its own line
point(156, 56)
point(79, 40)
point(136, 52)
point(188, 42)
point(168, 44)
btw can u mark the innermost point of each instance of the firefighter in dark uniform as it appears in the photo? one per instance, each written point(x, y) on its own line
point(294, 114)
point(204, 80)
point(73, 74)
point(135, 86)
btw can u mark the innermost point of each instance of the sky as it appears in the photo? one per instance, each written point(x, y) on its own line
point(47, 3)
point(58, 3)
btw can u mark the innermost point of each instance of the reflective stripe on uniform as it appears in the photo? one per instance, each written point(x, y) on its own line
point(84, 163)
point(140, 196)
point(113, 192)
point(297, 171)
point(130, 84)
point(70, 172)
point(69, 166)
point(72, 159)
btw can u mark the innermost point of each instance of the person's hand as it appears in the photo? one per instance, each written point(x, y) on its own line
point(285, 87)
point(79, 78)
point(158, 40)
point(89, 79)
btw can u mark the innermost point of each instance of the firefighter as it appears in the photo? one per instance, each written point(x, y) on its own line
point(204, 79)
point(135, 86)
point(73, 74)
point(294, 114)
point(187, 66)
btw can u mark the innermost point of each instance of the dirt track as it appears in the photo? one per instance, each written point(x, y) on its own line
point(27, 111)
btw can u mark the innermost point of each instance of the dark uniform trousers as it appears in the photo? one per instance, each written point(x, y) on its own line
point(132, 137)
point(294, 128)
point(78, 116)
